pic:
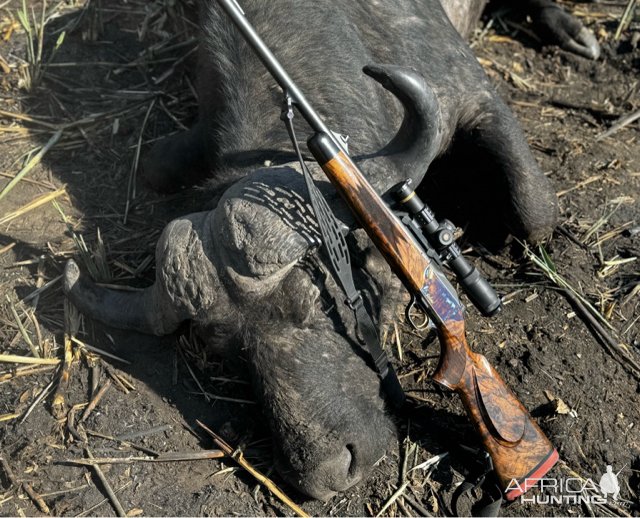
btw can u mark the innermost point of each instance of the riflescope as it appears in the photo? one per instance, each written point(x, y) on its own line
point(440, 237)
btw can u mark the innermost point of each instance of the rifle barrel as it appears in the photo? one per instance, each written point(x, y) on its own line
point(233, 10)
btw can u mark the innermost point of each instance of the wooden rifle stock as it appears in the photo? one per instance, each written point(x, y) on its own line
point(520, 451)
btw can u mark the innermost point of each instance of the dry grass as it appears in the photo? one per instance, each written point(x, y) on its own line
point(34, 25)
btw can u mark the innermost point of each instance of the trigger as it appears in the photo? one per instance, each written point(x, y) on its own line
point(409, 315)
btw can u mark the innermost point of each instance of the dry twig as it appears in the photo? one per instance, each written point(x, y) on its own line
point(268, 483)
point(34, 204)
point(37, 499)
point(626, 18)
point(72, 321)
point(96, 399)
point(12, 358)
point(4, 463)
point(163, 457)
point(107, 487)
point(619, 124)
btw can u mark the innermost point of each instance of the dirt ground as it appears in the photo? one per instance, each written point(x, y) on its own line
point(567, 342)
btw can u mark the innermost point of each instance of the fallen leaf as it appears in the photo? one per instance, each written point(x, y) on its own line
point(561, 407)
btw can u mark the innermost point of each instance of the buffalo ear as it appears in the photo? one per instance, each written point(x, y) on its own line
point(420, 136)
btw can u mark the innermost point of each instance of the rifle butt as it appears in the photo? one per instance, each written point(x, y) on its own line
point(520, 451)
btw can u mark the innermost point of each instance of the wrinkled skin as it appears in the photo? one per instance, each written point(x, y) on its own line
point(248, 272)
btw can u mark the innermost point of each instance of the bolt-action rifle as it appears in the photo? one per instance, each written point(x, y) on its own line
point(519, 450)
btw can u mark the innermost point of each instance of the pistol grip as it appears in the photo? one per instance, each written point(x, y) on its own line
point(519, 449)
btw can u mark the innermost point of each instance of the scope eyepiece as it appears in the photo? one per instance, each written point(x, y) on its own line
point(406, 197)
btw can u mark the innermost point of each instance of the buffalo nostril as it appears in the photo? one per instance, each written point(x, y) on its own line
point(352, 471)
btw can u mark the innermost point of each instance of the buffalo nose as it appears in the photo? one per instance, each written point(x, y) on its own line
point(337, 472)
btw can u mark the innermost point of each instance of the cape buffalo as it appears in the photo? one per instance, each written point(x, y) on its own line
point(249, 272)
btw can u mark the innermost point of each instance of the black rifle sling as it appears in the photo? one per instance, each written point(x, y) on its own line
point(480, 474)
point(338, 252)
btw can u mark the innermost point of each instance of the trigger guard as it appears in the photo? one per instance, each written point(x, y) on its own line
point(426, 324)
